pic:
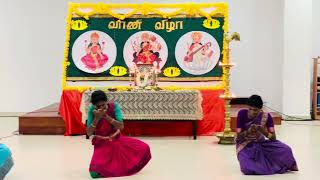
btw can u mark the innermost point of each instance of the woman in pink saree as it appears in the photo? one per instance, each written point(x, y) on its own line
point(114, 154)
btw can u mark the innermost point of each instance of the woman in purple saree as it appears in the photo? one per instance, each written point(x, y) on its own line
point(114, 155)
point(258, 151)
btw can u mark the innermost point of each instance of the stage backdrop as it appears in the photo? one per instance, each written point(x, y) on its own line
point(186, 49)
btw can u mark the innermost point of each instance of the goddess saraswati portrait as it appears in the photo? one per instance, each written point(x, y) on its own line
point(197, 52)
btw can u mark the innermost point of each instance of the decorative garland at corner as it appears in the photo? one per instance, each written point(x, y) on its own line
point(191, 9)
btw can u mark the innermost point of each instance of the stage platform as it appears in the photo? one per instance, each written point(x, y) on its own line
point(47, 121)
point(44, 121)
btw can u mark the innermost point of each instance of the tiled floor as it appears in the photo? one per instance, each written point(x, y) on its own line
point(174, 158)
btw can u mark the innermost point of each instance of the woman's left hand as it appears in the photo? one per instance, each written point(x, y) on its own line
point(104, 137)
point(262, 130)
point(109, 138)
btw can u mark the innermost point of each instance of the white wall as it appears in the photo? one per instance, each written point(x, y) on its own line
point(297, 57)
point(32, 44)
point(259, 54)
point(315, 31)
point(31, 49)
point(315, 28)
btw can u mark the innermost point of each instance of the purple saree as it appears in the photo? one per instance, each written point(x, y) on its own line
point(262, 156)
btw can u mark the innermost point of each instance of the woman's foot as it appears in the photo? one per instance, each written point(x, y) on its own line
point(95, 175)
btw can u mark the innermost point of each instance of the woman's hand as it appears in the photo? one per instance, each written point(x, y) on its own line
point(107, 138)
point(104, 137)
point(253, 133)
point(115, 123)
point(99, 113)
point(253, 128)
point(262, 130)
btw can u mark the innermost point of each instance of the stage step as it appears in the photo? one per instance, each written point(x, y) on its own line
point(45, 121)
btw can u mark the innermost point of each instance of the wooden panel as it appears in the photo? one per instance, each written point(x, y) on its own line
point(44, 121)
